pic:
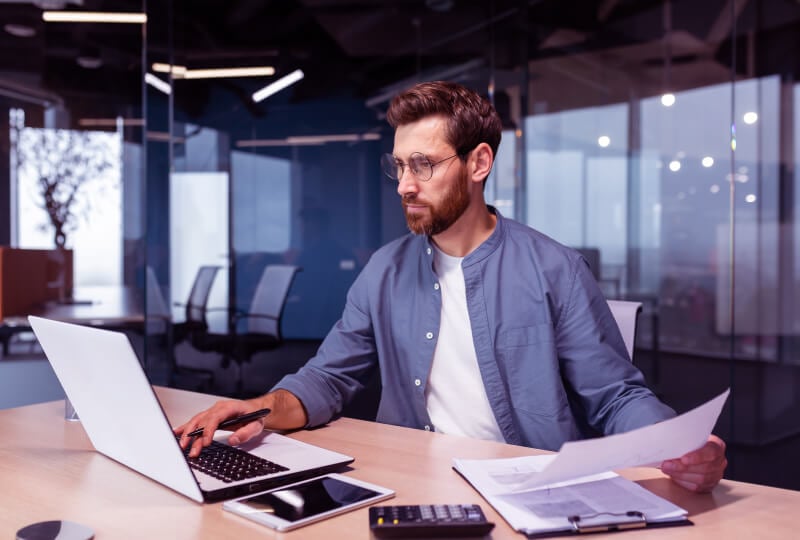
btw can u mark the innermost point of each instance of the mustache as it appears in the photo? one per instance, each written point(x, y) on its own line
point(411, 198)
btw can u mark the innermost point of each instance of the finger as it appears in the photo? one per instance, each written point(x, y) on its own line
point(717, 464)
point(197, 447)
point(709, 452)
point(700, 478)
point(697, 484)
point(209, 420)
point(695, 478)
point(672, 465)
point(246, 432)
point(685, 484)
point(183, 433)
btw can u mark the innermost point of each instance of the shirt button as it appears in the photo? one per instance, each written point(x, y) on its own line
point(429, 335)
point(417, 382)
point(428, 251)
point(427, 428)
point(436, 286)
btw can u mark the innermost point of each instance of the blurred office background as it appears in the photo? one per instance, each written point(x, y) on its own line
point(659, 137)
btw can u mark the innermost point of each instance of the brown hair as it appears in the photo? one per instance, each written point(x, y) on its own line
point(471, 119)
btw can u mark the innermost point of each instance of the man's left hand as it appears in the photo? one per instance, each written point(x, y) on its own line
point(700, 470)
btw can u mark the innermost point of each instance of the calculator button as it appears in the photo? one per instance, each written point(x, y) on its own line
point(428, 520)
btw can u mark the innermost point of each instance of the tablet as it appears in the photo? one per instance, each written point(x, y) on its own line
point(305, 502)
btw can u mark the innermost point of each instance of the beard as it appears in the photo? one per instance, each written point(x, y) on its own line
point(455, 201)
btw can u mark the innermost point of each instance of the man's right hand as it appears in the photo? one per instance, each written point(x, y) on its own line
point(287, 413)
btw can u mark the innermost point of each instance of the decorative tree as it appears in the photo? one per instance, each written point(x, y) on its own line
point(62, 162)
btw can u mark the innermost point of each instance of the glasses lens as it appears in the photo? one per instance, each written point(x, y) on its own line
point(391, 167)
point(421, 166)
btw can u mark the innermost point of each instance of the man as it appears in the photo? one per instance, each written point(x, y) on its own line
point(480, 326)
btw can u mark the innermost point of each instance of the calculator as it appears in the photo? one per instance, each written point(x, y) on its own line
point(428, 520)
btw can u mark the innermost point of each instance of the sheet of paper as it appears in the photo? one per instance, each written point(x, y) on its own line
point(498, 476)
point(601, 498)
point(644, 446)
point(598, 501)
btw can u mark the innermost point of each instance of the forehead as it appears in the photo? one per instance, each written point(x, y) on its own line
point(426, 135)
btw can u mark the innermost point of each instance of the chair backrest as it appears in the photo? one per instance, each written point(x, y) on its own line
point(198, 296)
point(626, 314)
point(269, 299)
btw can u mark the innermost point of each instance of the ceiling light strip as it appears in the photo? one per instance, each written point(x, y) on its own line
point(158, 84)
point(309, 140)
point(181, 72)
point(278, 85)
point(259, 71)
point(94, 17)
point(257, 143)
point(110, 122)
point(159, 67)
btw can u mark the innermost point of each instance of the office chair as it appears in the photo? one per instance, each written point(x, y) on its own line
point(195, 306)
point(195, 323)
point(259, 329)
point(626, 314)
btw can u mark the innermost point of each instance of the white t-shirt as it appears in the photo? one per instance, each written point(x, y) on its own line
point(455, 396)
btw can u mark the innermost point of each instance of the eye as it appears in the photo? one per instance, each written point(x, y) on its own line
point(419, 164)
point(392, 167)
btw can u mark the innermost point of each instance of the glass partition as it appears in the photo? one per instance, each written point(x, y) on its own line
point(660, 139)
point(72, 145)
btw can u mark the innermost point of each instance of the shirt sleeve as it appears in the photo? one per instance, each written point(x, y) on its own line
point(594, 361)
point(343, 364)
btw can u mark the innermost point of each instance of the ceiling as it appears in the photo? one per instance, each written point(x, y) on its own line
point(366, 49)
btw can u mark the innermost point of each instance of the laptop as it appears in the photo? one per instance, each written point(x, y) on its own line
point(101, 375)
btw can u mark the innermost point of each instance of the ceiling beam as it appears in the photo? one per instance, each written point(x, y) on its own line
point(722, 26)
point(605, 8)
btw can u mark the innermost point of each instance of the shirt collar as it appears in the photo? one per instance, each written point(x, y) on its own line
point(487, 247)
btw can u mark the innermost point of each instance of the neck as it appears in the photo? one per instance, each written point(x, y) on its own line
point(474, 226)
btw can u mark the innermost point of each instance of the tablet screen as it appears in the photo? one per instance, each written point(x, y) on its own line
point(308, 499)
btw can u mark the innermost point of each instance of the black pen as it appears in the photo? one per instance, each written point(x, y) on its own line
point(245, 418)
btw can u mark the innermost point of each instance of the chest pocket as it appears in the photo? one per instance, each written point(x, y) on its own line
point(529, 360)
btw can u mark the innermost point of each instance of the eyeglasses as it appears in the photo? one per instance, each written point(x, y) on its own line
point(419, 165)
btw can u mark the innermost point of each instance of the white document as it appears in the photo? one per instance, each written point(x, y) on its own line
point(600, 499)
point(649, 445)
point(575, 488)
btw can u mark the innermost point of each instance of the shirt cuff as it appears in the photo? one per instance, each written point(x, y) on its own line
point(317, 408)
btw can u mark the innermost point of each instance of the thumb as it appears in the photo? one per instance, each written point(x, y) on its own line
point(245, 433)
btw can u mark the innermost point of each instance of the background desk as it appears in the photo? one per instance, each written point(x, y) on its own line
point(48, 471)
point(114, 307)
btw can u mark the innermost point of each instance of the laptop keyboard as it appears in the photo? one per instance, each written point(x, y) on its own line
point(231, 464)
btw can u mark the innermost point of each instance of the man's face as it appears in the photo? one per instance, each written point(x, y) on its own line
point(431, 206)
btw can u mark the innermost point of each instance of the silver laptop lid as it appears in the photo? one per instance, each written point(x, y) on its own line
point(100, 373)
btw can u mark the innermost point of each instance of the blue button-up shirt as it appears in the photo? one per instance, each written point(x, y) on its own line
point(551, 357)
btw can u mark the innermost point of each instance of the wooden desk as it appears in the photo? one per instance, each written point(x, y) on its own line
point(112, 306)
point(49, 471)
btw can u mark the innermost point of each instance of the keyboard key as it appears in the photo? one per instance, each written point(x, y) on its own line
point(231, 464)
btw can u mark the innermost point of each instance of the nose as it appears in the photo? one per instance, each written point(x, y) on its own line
point(407, 183)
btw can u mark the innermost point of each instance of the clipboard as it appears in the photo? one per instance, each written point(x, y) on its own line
point(582, 506)
point(605, 522)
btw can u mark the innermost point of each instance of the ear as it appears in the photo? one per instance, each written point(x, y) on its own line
point(480, 162)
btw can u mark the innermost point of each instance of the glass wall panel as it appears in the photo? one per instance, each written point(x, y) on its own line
point(72, 180)
point(54, 166)
point(619, 119)
point(577, 176)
